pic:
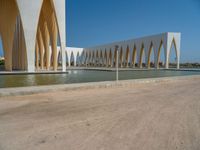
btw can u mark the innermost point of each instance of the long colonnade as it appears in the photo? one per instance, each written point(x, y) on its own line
point(131, 52)
point(31, 31)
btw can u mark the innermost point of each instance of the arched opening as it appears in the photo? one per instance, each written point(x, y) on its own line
point(110, 58)
point(121, 58)
point(67, 60)
point(161, 56)
point(59, 59)
point(105, 58)
point(142, 57)
point(12, 36)
point(115, 57)
point(93, 58)
point(86, 58)
point(81, 58)
point(101, 59)
point(173, 56)
point(72, 63)
point(19, 54)
point(48, 35)
point(78, 59)
point(127, 62)
point(151, 55)
point(89, 58)
point(97, 58)
point(134, 54)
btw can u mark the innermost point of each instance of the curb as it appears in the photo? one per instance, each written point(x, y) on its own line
point(69, 87)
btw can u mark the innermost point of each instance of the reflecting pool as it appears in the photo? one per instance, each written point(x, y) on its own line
point(81, 76)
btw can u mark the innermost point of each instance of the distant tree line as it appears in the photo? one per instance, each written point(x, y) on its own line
point(186, 65)
point(190, 65)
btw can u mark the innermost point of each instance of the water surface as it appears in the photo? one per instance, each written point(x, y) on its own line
point(82, 76)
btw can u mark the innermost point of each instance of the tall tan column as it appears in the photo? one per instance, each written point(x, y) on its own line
point(54, 44)
point(47, 50)
point(8, 14)
point(46, 45)
point(37, 56)
point(41, 50)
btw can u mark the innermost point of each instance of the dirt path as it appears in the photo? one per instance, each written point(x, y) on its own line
point(156, 116)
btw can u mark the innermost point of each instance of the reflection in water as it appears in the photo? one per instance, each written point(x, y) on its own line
point(80, 76)
point(75, 71)
point(30, 79)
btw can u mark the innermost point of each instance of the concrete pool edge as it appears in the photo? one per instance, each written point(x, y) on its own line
point(78, 86)
point(93, 69)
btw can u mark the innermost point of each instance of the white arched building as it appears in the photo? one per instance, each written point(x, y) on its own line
point(31, 31)
point(131, 52)
point(27, 28)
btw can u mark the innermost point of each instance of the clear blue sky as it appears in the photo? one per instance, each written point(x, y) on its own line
point(95, 22)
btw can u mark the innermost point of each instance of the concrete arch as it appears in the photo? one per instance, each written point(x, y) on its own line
point(78, 59)
point(8, 16)
point(46, 41)
point(97, 53)
point(121, 56)
point(19, 53)
point(86, 58)
point(59, 9)
point(105, 61)
point(41, 48)
point(110, 56)
point(127, 59)
point(59, 58)
point(84, 53)
point(93, 58)
point(40, 39)
point(37, 57)
point(142, 55)
point(158, 63)
point(101, 61)
point(75, 57)
point(173, 43)
point(136, 51)
point(67, 61)
point(72, 59)
point(134, 56)
point(48, 16)
point(50, 58)
point(150, 51)
point(115, 57)
point(97, 58)
point(30, 27)
point(83, 58)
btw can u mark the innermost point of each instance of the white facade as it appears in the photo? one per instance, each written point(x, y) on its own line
point(132, 51)
point(75, 54)
point(27, 28)
point(31, 30)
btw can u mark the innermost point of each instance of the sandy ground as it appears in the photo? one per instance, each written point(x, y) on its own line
point(156, 116)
